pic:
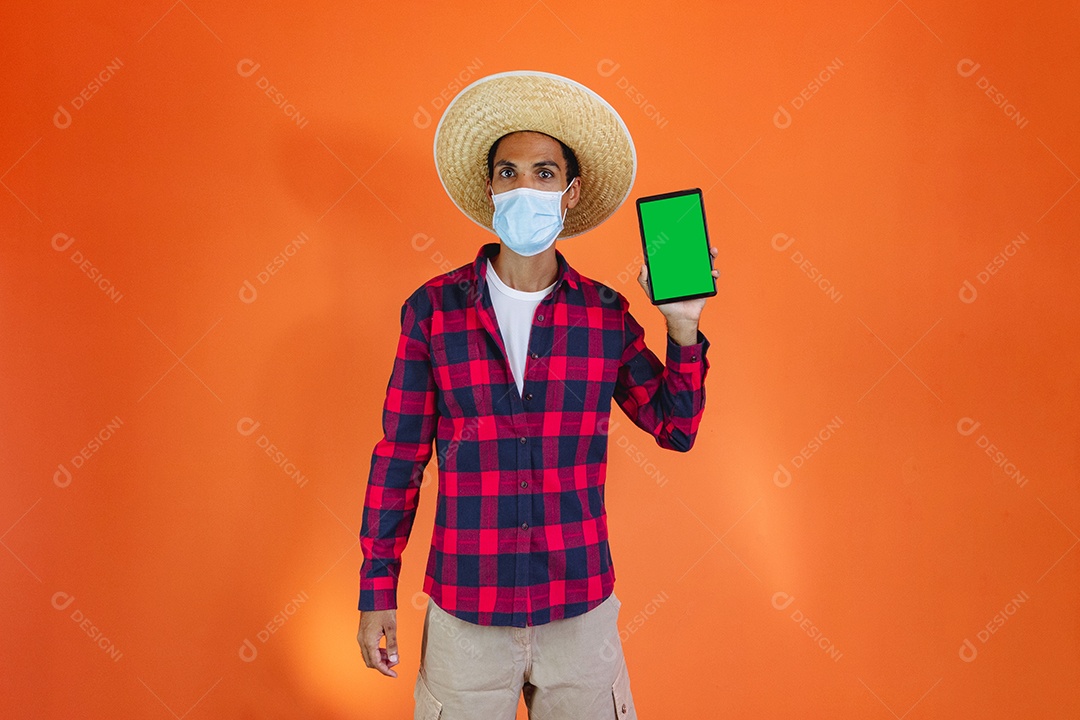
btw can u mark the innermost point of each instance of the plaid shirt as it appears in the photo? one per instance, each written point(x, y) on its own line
point(520, 534)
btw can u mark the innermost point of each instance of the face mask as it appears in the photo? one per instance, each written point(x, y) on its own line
point(528, 220)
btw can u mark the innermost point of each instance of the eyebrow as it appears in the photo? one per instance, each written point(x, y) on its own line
point(541, 163)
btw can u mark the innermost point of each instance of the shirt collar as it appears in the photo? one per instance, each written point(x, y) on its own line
point(490, 250)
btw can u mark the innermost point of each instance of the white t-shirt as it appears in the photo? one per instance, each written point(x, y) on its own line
point(514, 310)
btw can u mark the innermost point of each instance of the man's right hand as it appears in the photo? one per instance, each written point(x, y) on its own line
point(373, 625)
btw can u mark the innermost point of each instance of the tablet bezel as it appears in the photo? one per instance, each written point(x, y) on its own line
point(645, 249)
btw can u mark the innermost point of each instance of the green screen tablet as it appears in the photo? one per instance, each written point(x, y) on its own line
point(675, 245)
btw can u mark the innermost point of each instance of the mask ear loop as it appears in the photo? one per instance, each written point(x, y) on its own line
point(563, 193)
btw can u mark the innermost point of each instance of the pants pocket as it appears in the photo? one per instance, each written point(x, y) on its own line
point(427, 707)
point(620, 693)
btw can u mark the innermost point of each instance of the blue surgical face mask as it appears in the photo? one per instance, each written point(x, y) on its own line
point(528, 220)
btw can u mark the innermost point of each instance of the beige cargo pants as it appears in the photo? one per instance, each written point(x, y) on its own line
point(569, 669)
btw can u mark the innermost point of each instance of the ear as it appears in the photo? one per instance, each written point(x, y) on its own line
point(487, 193)
point(574, 194)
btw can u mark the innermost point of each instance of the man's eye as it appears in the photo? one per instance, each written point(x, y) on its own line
point(504, 171)
point(546, 174)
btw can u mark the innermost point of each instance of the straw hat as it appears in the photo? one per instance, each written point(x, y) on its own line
point(557, 106)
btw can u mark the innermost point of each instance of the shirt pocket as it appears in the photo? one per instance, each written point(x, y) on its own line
point(461, 374)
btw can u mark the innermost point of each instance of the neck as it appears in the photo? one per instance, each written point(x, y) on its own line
point(527, 274)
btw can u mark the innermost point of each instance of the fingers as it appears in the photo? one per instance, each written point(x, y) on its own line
point(391, 643)
point(370, 634)
point(383, 665)
point(377, 658)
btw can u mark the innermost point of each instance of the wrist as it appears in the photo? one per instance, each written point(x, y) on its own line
point(683, 332)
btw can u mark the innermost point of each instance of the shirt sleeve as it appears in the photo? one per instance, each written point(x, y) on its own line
point(663, 399)
point(397, 463)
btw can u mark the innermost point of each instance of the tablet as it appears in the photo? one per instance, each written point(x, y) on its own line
point(675, 245)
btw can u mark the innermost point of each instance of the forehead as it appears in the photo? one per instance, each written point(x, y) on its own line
point(532, 145)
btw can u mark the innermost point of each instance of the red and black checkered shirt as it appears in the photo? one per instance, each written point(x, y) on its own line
point(520, 533)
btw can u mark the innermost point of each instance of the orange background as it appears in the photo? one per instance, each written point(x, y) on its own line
point(898, 180)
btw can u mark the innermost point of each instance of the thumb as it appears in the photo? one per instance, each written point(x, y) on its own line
point(391, 642)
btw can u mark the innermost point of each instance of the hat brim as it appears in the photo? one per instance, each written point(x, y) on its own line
point(542, 102)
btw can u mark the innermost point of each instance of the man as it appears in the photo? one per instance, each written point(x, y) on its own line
point(510, 364)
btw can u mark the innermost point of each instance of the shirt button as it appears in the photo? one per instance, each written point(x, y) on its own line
point(540, 318)
point(528, 396)
point(524, 526)
point(624, 709)
point(524, 483)
point(533, 355)
point(523, 440)
point(693, 357)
